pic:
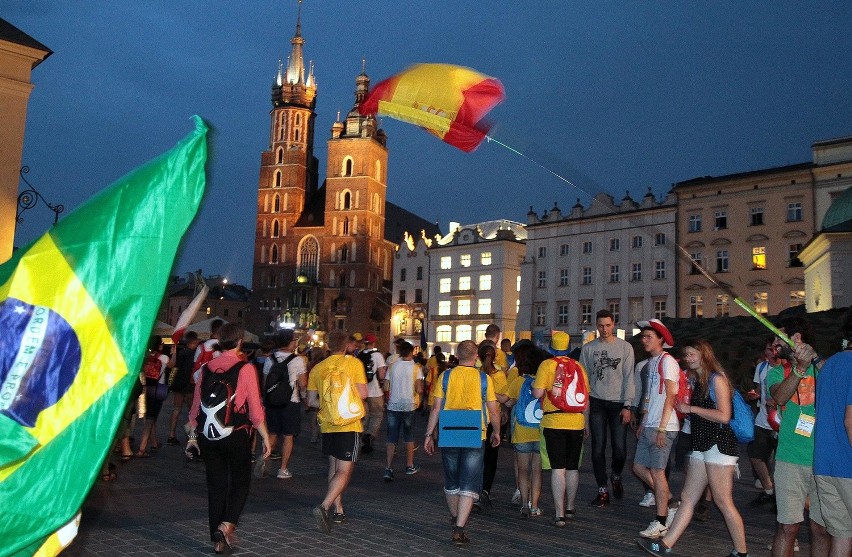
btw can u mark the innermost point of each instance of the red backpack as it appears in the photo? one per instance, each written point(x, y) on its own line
point(152, 367)
point(684, 387)
point(569, 392)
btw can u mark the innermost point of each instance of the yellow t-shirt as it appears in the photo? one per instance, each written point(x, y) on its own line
point(500, 360)
point(512, 374)
point(353, 369)
point(520, 433)
point(557, 420)
point(464, 391)
point(500, 382)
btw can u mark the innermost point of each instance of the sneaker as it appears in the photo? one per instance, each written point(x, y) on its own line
point(762, 499)
point(654, 547)
point(275, 455)
point(525, 512)
point(602, 499)
point(485, 499)
point(411, 470)
point(648, 500)
point(260, 468)
point(617, 487)
point(671, 514)
point(516, 498)
point(284, 474)
point(321, 516)
point(654, 530)
point(535, 511)
point(388, 475)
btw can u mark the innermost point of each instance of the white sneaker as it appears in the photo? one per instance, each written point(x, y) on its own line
point(648, 500)
point(671, 514)
point(284, 474)
point(654, 530)
point(516, 498)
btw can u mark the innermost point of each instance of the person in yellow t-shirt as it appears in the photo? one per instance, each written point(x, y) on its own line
point(462, 466)
point(339, 443)
point(525, 440)
point(563, 433)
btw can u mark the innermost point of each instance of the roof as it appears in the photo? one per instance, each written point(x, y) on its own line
point(12, 34)
point(838, 218)
point(702, 180)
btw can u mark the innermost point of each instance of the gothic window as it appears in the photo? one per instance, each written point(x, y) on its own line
point(297, 135)
point(277, 179)
point(347, 166)
point(344, 254)
point(280, 157)
point(298, 119)
point(273, 257)
point(346, 226)
point(276, 204)
point(276, 229)
point(347, 200)
point(309, 258)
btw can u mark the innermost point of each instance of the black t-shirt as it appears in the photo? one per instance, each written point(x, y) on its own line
point(706, 433)
point(184, 360)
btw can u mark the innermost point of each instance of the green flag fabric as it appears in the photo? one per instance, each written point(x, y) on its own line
point(76, 310)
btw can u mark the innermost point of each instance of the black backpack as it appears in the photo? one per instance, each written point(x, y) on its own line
point(277, 389)
point(218, 391)
point(366, 357)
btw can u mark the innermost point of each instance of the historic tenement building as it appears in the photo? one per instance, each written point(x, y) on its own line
point(324, 254)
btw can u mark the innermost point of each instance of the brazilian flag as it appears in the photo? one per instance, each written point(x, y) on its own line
point(76, 310)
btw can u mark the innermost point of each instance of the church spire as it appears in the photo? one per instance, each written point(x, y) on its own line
point(296, 65)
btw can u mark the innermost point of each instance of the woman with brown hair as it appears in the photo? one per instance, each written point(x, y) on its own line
point(487, 353)
point(714, 457)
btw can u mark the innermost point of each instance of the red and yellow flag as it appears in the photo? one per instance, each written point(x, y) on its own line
point(76, 310)
point(449, 101)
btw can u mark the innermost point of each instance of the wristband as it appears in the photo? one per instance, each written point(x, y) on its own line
point(661, 430)
point(797, 373)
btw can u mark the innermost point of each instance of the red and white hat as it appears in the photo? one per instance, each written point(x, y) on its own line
point(662, 330)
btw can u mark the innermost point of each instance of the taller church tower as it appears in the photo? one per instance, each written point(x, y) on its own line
point(321, 259)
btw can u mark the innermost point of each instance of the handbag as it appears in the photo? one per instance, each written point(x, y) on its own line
point(461, 428)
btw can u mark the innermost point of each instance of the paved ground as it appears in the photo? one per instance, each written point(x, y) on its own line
point(157, 506)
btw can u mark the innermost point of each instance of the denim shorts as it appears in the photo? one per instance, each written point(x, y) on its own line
point(528, 447)
point(463, 471)
point(400, 421)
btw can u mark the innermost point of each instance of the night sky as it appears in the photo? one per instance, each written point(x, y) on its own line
point(613, 96)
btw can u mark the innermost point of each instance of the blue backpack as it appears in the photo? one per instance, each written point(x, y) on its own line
point(742, 420)
point(527, 409)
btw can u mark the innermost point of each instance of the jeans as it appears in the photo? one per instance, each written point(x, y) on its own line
point(462, 471)
point(400, 422)
point(228, 465)
point(605, 416)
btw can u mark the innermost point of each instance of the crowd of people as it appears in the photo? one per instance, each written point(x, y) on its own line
point(544, 402)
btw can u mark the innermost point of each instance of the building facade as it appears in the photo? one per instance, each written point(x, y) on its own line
point(474, 280)
point(323, 255)
point(748, 229)
point(19, 55)
point(411, 280)
point(615, 256)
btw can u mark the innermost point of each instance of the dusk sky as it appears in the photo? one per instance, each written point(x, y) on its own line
point(615, 96)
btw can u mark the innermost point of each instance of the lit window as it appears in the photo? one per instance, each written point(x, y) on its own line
point(480, 333)
point(563, 277)
point(444, 307)
point(443, 333)
point(614, 275)
point(761, 302)
point(542, 279)
point(463, 307)
point(464, 283)
point(485, 282)
point(444, 285)
point(636, 272)
point(794, 211)
point(587, 275)
point(464, 260)
point(562, 314)
point(758, 257)
point(723, 307)
point(463, 332)
point(756, 216)
point(485, 258)
point(659, 270)
point(696, 306)
point(659, 309)
point(446, 262)
point(797, 298)
point(563, 249)
point(614, 244)
point(483, 306)
point(587, 247)
point(721, 222)
point(695, 223)
point(518, 284)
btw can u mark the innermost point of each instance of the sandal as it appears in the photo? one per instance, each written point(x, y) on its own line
point(126, 457)
point(109, 476)
point(570, 514)
point(559, 522)
point(155, 447)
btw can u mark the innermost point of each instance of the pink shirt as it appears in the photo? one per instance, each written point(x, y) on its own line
point(247, 389)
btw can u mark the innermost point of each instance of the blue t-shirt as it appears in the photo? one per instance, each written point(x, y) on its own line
point(832, 452)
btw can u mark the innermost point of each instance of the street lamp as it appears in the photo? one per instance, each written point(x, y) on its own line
point(30, 197)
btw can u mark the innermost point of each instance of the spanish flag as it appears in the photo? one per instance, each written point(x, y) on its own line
point(447, 100)
point(76, 311)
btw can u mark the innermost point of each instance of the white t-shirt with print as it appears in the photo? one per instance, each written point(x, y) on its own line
point(655, 400)
point(401, 376)
point(295, 368)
